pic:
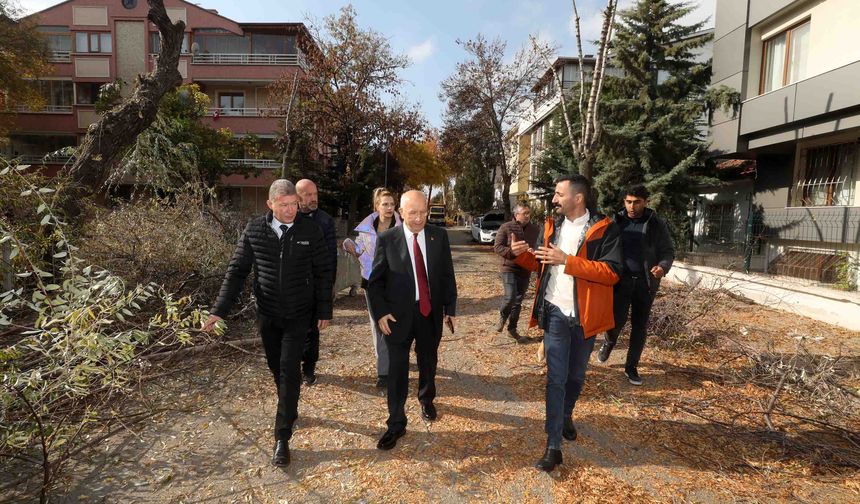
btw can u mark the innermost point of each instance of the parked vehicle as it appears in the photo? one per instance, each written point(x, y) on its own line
point(437, 215)
point(485, 227)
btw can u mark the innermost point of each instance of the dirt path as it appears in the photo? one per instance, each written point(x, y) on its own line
point(482, 447)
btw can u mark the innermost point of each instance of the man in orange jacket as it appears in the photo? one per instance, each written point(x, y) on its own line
point(578, 263)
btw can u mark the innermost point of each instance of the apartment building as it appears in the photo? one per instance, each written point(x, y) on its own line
point(527, 142)
point(789, 156)
point(94, 42)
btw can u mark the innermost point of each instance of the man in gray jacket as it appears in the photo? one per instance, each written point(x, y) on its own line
point(648, 255)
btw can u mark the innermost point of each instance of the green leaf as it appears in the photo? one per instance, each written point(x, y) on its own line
point(45, 219)
point(52, 287)
point(45, 190)
point(26, 193)
point(60, 255)
point(42, 208)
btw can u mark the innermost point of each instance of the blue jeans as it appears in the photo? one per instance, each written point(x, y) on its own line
point(567, 353)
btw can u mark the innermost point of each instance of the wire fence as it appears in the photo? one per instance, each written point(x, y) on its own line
point(815, 243)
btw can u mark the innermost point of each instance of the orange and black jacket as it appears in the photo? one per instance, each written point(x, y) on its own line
point(596, 267)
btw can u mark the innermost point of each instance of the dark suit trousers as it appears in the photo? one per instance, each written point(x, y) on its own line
point(311, 353)
point(283, 340)
point(426, 350)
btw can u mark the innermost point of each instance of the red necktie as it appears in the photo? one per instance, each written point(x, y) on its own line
point(421, 273)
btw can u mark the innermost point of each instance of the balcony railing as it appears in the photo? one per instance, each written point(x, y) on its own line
point(39, 159)
point(249, 59)
point(47, 109)
point(254, 163)
point(60, 57)
point(244, 112)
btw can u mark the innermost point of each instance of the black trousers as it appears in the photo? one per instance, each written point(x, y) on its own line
point(515, 285)
point(311, 353)
point(427, 351)
point(283, 340)
point(631, 294)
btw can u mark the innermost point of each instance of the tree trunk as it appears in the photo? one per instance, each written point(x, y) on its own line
point(119, 127)
point(353, 210)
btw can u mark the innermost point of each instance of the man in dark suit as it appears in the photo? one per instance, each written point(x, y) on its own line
point(412, 285)
point(309, 207)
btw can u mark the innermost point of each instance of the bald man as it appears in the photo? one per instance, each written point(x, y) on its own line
point(309, 207)
point(412, 291)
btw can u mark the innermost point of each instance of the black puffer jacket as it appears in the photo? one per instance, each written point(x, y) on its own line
point(290, 274)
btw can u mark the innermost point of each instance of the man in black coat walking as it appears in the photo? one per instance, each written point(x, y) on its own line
point(309, 207)
point(292, 280)
point(412, 291)
point(648, 254)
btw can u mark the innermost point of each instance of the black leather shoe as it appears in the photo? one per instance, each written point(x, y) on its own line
point(389, 439)
point(550, 459)
point(569, 430)
point(309, 379)
point(516, 336)
point(603, 354)
point(281, 456)
point(381, 382)
point(428, 411)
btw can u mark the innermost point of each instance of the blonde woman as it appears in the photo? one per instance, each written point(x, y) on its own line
point(363, 248)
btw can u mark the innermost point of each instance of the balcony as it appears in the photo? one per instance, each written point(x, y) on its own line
point(47, 109)
point(254, 163)
point(40, 159)
point(244, 112)
point(250, 59)
point(60, 57)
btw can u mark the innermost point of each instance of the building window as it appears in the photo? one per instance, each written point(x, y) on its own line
point(56, 93)
point(93, 42)
point(59, 38)
point(221, 43)
point(720, 222)
point(784, 58)
point(231, 103)
point(86, 93)
point(827, 175)
point(155, 43)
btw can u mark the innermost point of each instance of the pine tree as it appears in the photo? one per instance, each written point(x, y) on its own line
point(655, 115)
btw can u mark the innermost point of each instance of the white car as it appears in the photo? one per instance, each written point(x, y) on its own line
point(485, 227)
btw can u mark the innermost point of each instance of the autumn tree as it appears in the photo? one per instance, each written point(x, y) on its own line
point(421, 162)
point(349, 100)
point(23, 57)
point(489, 93)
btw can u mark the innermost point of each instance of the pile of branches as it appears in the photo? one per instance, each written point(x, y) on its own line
point(182, 242)
point(676, 316)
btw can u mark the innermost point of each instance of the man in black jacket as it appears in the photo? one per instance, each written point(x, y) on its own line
point(648, 255)
point(292, 280)
point(309, 207)
point(515, 278)
point(412, 290)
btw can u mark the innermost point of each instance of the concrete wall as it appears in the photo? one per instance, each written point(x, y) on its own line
point(729, 69)
point(798, 297)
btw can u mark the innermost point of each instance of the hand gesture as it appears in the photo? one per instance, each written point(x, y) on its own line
point(518, 246)
point(322, 324)
point(551, 255)
point(349, 246)
point(209, 325)
point(658, 272)
point(383, 324)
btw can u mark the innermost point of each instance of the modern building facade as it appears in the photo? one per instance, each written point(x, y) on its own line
point(94, 42)
point(790, 156)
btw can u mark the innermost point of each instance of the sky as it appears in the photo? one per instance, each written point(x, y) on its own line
point(427, 31)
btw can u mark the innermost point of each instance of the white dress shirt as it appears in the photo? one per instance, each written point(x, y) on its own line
point(276, 226)
point(560, 289)
point(422, 242)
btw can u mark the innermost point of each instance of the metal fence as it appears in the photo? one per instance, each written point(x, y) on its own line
point(816, 243)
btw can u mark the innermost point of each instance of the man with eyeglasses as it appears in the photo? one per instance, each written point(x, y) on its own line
point(292, 281)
